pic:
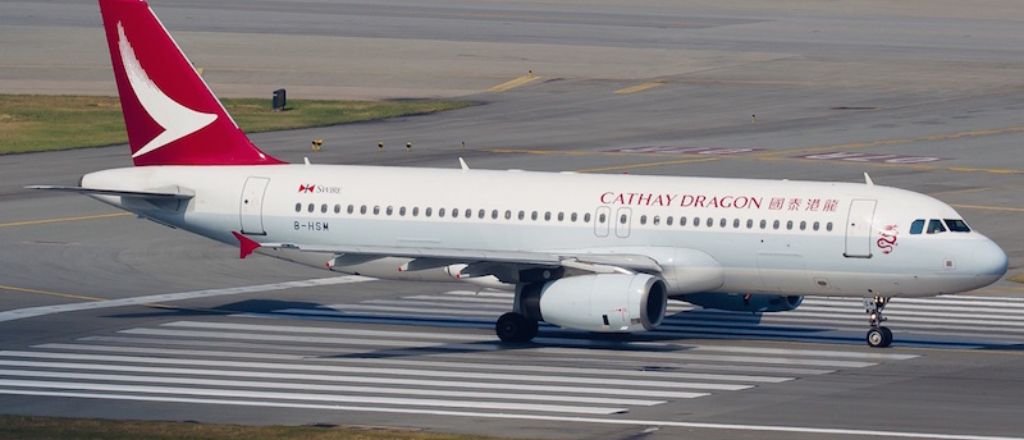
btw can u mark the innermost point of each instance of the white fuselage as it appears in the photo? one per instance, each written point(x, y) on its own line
point(722, 235)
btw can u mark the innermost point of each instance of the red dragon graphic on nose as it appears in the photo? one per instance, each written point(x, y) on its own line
point(887, 240)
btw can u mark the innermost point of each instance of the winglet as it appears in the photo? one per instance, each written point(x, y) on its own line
point(246, 245)
point(867, 180)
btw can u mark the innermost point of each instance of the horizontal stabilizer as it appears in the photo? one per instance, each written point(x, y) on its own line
point(175, 192)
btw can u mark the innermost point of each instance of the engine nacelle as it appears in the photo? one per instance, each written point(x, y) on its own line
point(738, 302)
point(606, 303)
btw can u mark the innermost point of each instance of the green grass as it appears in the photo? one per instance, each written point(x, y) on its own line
point(39, 428)
point(45, 123)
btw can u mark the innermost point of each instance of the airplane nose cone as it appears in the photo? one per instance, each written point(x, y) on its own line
point(988, 261)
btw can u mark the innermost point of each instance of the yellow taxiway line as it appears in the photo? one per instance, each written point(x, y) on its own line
point(989, 208)
point(639, 87)
point(50, 293)
point(511, 84)
point(63, 219)
point(659, 163)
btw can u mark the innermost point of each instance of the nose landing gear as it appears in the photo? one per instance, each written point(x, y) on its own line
point(878, 336)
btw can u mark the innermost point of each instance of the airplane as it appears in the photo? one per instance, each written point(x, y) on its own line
point(588, 252)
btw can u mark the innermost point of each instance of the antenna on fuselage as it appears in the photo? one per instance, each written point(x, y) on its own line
point(867, 180)
point(463, 165)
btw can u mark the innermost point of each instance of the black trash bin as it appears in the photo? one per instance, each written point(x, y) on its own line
point(280, 100)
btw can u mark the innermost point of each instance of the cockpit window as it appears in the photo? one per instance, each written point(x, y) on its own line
point(917, 226)
point(935, 226)
point(957, 225)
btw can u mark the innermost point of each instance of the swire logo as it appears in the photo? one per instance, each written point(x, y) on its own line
point(318, 189)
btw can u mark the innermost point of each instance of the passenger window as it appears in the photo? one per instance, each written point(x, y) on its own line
point(643, 219)
point(682, 221)
point(723, 222)
point(600, 219)
point(622, 219)
point(957, 225)
point(337, 209)
point(323, 208)
point(668, 220)
point(415, 211)
point(750, 223)
point(803, 226)
point(428, 211)
point(469, 213)
point(376, 210)
point(561, 216)
point(828, 226)
point(775, 224)
point(522, 215)
point(390, 210)
point(508, 215)
point(455, 213)
point(351, 209)
point(817, 225)
point(656, 220)
point(736, 223)
point(935, 226)
point(401, 211)
point(547, 216)
point(710, 222)
point(764, 223)
point(310, 207)
point(483, 214)
point(440, 212)
point(298, 207)
point(533, 216)
point(586, 218)
point(362, 209)
point(917, 226)
point(696, 221)
point(789, 225)
point(494, 214)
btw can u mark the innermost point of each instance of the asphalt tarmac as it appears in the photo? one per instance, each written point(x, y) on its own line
point(926, 96)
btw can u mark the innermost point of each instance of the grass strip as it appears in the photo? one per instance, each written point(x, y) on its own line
point(30, 123)
point(39, 428)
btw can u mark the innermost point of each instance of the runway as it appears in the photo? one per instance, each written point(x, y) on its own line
point(104, 315)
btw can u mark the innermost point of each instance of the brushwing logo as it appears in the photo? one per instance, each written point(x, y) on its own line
point(177, 120)
point(306, 188)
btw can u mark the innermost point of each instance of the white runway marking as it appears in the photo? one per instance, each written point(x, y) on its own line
point(388, 371)
point(563, 419)
point(384, 381)
point(216, 392)
point(434, 364)
point(324, 387)
point(32, 312)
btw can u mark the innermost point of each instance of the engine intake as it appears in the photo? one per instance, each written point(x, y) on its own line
point(606, 303)
point(738, 302)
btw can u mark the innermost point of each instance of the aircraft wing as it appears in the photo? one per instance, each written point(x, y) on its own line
point(175, 192)
point(436, 257)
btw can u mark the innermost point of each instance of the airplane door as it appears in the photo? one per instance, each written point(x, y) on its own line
point(602, 218)
point(623, 219)
point(251, 205)
point(858, 229)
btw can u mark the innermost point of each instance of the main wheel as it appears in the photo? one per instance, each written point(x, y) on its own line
point(514, 327)
point(879, 337)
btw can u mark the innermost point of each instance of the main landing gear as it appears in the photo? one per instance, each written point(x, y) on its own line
point(514, 327)
point(878, 336)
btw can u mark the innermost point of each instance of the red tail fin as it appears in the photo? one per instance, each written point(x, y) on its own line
point(171, 115)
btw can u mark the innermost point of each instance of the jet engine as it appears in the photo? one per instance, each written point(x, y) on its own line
point(606, 303)
point(738, 302)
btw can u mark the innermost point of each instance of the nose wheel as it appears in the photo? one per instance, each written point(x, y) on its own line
point(879, 336)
